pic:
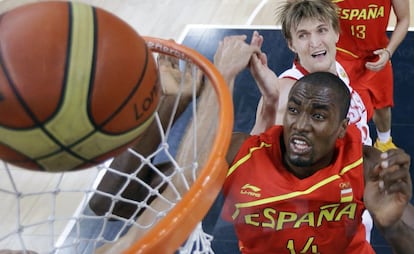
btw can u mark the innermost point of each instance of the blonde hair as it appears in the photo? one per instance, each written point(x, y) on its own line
point(291, 13)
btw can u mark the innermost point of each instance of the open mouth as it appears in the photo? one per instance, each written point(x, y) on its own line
point(319, 53)
point(299, 146)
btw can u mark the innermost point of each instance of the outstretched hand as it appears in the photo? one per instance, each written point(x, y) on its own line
point(177, 77)
point(265, 78)
point(388, 187)
point(233, 55)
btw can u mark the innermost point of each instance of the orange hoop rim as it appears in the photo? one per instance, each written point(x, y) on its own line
point(172, 230)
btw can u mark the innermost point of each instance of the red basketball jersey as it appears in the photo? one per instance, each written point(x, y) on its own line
point(363, 25)
point(275, 212)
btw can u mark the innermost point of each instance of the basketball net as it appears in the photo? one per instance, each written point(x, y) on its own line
point(53, 212)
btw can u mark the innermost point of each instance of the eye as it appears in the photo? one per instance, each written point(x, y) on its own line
point(302, 35)
point(323, 30)
point(318, 116)
point(292, 110)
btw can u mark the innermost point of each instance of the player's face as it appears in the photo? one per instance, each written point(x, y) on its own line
point(311, 127)
point(315, 43)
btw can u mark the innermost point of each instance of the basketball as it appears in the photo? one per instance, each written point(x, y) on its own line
point(78, 85)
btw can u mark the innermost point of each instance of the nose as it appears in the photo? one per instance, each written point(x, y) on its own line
point(302, 122)
point(315, 40)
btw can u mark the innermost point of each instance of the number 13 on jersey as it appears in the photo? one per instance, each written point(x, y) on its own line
point(359, 31)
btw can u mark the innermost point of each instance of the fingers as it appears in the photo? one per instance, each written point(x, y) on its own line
point(233, 55)
point(263, 58)
point(237, 42)
point(257, 63)
point(394, 175)
point(240, 42)
point(241, 37)
point(257, 39)
point(378, 65)
point(254, 66)
point(395, 157)
point(178, 76)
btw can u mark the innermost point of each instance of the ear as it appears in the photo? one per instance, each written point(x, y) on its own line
point(342, 128)
point(337, 38)
point(289, 43)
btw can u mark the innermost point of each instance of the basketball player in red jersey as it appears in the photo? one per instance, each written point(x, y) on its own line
point(302, 187)
point(311, 30)
point(299, 188)
point(365, 51)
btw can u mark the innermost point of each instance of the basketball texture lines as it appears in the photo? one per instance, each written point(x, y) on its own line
point(77, 86)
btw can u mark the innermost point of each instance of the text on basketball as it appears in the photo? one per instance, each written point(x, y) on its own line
point(146, 103)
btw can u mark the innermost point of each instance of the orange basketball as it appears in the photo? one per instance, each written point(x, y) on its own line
point(77, 86)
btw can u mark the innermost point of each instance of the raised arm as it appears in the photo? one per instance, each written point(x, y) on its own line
point(128, 163)
point(233, 56)
point(388, 192)
point(267, 82)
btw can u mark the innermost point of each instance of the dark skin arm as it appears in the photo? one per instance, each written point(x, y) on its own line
point(127, 163)
point(237, 140)
point(148, 143)
point(232, 56)
point(388, 192)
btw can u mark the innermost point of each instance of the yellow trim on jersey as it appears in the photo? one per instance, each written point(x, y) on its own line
point(246, 157)
point(296, 193)
point(351, 166)
point(347, 52)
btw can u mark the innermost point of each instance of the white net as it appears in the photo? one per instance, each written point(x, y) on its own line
point(106, 209)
